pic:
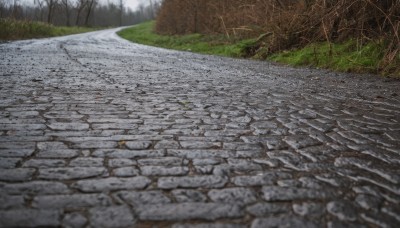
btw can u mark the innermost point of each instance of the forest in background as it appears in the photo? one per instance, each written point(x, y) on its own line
point(286, 24)
point(91, 13)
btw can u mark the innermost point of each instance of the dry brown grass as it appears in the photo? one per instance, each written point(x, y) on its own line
point(290, 23)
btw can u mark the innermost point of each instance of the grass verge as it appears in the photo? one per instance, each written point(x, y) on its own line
point(213, 45)
point(345, 57)
point(16, 30)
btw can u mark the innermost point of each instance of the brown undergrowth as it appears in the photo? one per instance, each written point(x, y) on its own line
point(278, 25)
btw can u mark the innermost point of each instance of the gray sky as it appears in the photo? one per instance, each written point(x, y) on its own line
point(134, 3)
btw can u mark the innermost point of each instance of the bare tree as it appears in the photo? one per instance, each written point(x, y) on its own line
point(40, 9)
point(51, 5)
point(89, 8)
point(80, 5)
point(67, 8)
point(121, 5)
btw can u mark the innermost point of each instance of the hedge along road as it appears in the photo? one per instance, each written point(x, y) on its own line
point(96, 131)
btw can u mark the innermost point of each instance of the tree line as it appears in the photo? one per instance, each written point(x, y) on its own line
point(79, 12)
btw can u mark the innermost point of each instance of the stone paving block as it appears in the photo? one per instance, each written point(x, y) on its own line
point(30, 218)
point(198, 154)
point(22, 153)
point(186, 211)
point(68, 126)
point(138, 145)
point(35, 188)
point(44, 163)
point(188, 195)
point(71, 173)
point(113, 126)
point(11, 202)
point(192, 182)
point(116, 153)
point(12, 146)
point(126, 172)
point(167, 144)
point(115, 216)
point(239, 196)
point(200, 145)
point(121, 162)
point(19, 127)
point(86, 162)
point(58, 153)
point(161, 161)
point(309, 209)
point(266, 209)
point(8, 163)
point(273, 193)
point(17, 174)
point(282, 221)
point(271, 142)
point(207, 161)
point(209, 225)
point(74, 201)
point(74, 220)
point(141, 199)
point(112, 183)
point(95, 145)
point(342, 210)
point(268, 178)
point(163, 171)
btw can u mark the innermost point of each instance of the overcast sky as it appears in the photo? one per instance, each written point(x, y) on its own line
point(133, 4)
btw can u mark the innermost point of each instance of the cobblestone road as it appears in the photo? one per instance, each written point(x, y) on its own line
point(98, 132)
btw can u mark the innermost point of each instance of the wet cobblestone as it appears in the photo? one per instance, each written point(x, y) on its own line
point(98, 132)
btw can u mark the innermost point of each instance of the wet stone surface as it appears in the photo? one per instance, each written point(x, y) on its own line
point(98, 132)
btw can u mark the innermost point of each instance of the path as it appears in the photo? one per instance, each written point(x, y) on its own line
point(95, 131)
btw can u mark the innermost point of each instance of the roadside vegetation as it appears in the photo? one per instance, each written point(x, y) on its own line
point(360, 36)
point(206, 44)
point(16, 30)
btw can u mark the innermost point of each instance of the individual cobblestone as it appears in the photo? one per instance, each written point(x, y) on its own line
point(187, 195)
point(116, 216)
point(18, 174)
point(286, 193)
point(74, 220)
point(111, 184)
point(71, 173)
point(163, 171)
point(186, 211)
point(8, 163)
point(233, 195)
point(35, 188)
point(266, 209)
point(208, 225)
point(129, 154)
point(282, 221)
point(75, 201)
point(342, 210)
point(141, 199)
point(126, 172)
point(29, 218)
point(261, 179)
point(11, 202)
point(192, 182)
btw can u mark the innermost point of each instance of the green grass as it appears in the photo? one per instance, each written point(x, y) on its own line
point(213, 45)
point(345, 57)
point(17, 30)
